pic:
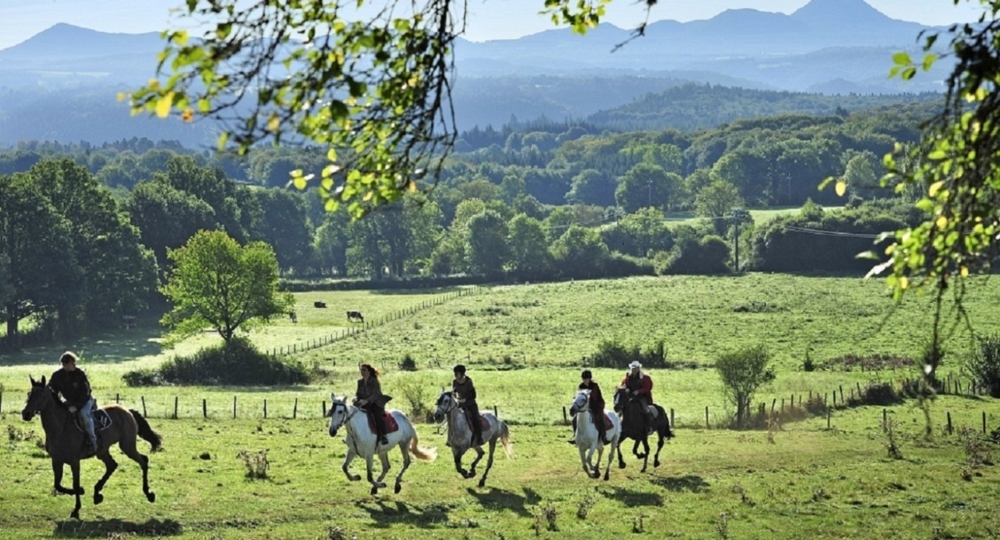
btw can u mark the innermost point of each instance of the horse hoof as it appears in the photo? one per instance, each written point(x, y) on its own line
point(374, 490)
point(98, 498)
point(656, 463)
point(607, 477)
point(621, 465)
point(482, 482)
point(397, 489)
point(75, 514)
point(151, 497)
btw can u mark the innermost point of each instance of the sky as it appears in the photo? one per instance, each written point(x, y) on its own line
point(488, 19)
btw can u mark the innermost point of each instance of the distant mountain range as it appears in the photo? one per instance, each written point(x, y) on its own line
point(827, 46)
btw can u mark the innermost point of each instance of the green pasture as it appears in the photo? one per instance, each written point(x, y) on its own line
point(759, 216)
point(525, 345)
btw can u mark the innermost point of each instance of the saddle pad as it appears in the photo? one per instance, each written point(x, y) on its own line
point(390, 423)
point(102, 420)
point(482, 421)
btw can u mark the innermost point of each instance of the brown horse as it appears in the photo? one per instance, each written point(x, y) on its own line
point(64, 441)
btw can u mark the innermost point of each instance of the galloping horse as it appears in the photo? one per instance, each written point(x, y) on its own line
point(361, 439)
point(64, 441)
point(633, 427)
point(587, 438)
point(460, 435)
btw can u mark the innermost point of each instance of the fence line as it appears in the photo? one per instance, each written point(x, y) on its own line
point(396, 315)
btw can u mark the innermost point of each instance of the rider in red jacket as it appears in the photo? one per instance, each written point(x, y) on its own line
point(640, 386)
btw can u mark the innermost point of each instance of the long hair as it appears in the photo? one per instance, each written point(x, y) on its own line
point(371, 370)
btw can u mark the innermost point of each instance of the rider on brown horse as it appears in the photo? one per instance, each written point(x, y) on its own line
point(71, 382)
point(640, 386)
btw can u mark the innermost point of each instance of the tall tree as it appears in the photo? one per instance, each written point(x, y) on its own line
point(285, 227)
point(647, 185)
point(529, 250)
point(486, 243)
point(215, 283)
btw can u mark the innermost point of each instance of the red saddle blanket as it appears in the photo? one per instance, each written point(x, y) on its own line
point(390, 423)
point(607, 421)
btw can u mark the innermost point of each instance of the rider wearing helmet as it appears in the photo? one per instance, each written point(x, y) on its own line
point(71, 382)
point(465, 393)
point(596, 404)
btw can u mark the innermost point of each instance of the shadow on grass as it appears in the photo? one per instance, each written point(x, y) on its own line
point(680, 484)
point(500, 499)
point(386, 514)
point(106, 528)
point(632, 498)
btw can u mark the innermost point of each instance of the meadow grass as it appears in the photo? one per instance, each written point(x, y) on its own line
point(525, 345)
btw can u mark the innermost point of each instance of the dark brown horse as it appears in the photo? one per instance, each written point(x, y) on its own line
point(634, 427)
point(64, 441)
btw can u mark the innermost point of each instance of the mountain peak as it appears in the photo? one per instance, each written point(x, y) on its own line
point(838, 11)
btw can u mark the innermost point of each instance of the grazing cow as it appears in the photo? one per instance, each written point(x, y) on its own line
point(319, 304)
point(294, 317)
point(355, 316)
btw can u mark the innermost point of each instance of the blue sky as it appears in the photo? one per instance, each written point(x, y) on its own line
point(489, 19)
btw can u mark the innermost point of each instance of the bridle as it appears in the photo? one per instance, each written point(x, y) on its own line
point(573, 408)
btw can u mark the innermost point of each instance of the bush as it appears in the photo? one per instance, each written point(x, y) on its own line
point(742, 373)
point(408, 363)
point(235, 363)
point(984, 364)
point(706, 256)
point(612, 354)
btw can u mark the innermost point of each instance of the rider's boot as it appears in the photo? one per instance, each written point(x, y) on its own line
point(572, 440)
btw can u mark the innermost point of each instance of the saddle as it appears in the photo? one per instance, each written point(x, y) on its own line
point(102, 421)
point(390, 422)
point(482, 420)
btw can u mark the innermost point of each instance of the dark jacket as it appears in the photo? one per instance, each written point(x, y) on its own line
point(73, 385)
point(596, 397)
point(465, 391)
point(642, 383)
point(372, 392)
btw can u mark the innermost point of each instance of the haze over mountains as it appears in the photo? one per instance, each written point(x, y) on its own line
point(828, 46)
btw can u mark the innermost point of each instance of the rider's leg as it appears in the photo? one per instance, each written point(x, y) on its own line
point(379, 417)
point(477, 425)
point(648, 413)
point(88, 421)
point(602, 431)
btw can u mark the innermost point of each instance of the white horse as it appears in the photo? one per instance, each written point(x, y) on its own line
point(460, 435)
point(587, 438)
point(361, 439)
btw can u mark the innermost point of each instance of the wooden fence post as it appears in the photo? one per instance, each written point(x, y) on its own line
point(234, 407)
point(117, 399)
point(672, 425)
point(706, 418)
point(295, 409)
point(1, 401)
point(950, 431)
point(984, 422)
point(175, 407)
point(565, 418)
point(143, 399)
point(204, 407)
point(885, 419)
point(265, 408)
point(828, 417)
point(495, 413)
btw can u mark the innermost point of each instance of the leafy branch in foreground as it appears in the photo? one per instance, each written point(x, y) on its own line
point(368, 79)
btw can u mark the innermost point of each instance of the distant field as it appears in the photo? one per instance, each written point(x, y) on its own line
point(525, 345)
point(759, 216)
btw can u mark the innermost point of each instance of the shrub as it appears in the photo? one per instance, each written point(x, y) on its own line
point(236, 363)
point(984, 364)
point(742, 373)
point(613, 354)
point(408, 363)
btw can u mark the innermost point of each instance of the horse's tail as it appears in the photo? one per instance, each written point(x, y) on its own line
point(419, 452)
point(668, 432)
point(146, 432)
point(508, 448)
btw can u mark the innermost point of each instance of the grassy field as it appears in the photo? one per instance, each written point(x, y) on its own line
point(525, 345)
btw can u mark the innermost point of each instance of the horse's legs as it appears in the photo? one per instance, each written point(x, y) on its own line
point(74, 467)
point(611, 457)
point(368, 468)
point(347, 463)
point(659, 446)
point(384, 458)
point(57, 473)
point(127, 444)
point(645, 454)
point(404, 448)
point(621, 460)
point(583, 459)
point(110, 465)
point(596, 463)
point(479, 457)
point(489, 461)
point(457, 454)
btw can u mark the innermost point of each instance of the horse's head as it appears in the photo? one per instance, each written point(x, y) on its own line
point(38, 399)
point(580, 401)
point(445, 403)
point(621, 399)
point(338, 413)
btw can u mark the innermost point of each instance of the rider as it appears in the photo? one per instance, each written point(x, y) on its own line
point(370, 398)
point(465, 393)
point(71, 382)
point(640, 386)
point(596, 406)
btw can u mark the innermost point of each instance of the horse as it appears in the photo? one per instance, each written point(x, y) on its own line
point(633, 427)
point(361, 440)
point(64, 441)
point(587, 439)
point(460, 435)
